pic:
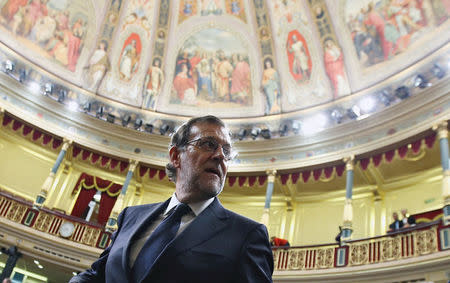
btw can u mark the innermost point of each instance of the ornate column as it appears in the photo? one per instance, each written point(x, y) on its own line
point(118, 206)
point(269, 191)
point(443, 143)
point(42, 196)
point(348, 208)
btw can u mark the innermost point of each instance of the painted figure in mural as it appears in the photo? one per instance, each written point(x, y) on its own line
point(240, 81)
point(65, 46)
point(44, 28)
point(271, 87)
point(53, 29)
point(98, 65)
point(129, 61)
point(235, 9)
point(153, 83)
point(300, 59)
point(204, 77)
point(33, 12)
point(187, 9)
point(183, 58)
point(223, 71)
point(10, 9)
point(194, 60)
point(185, 86)
point(383, 30)
point(334, 66)
point(211, 7)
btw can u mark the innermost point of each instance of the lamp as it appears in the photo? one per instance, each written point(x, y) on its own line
point(125, 120)
point(438, 71)
point(47, 89)
point(255, 132)
point(421, 82)
point(337, 115)
point(283, 129)
point(137, 123)
point(62, 93)
point(242, 133)
point(265, 133)
point(296, 126)
point(385, 97)
point(148, 128)
point(99, 112)
point(110, 118)
point(402, 92)
point(9, 66)
point(87, 107)
point(163, 129)
point(354, 112)
point(22, 75)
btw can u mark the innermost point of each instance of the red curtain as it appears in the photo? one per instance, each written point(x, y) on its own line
point(284, 178)
point(294, 177)
point(262, 179)
point(82, 203)
point(87, 193)
point(231, 180)
point(251, 180)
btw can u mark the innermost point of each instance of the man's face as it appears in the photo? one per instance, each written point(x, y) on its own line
point(201, 173)
point(395, 216)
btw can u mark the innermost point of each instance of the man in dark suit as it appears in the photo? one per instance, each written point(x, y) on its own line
point(190, 237)
point(397, 224)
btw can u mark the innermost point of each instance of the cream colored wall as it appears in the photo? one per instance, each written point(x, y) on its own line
point(277, 215)
point(419, 197)
point(23, 169)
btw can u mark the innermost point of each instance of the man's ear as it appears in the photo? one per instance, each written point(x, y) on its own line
point(174, 155)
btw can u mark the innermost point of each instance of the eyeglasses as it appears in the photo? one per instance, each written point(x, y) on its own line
point(211, 145)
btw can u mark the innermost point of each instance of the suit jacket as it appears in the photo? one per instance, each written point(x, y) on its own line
point(217, 246)
point(392, 226)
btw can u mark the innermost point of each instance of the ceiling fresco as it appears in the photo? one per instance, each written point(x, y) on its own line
point(273, 61)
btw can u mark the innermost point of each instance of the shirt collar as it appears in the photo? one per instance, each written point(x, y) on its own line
point(196, 207)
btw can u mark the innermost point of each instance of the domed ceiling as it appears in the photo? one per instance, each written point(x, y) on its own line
point(264, 64)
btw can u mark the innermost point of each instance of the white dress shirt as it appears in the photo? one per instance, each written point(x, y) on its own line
point(196, 208)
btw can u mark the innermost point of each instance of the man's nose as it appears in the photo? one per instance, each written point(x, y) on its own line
point(218, 153)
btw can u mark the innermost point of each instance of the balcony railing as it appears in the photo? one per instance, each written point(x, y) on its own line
point(49, 221)
point(423, 239)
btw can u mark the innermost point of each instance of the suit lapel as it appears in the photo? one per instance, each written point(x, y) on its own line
point(212, 220)
point(143, 221)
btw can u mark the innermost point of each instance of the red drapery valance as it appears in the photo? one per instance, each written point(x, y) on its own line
point(88, 186)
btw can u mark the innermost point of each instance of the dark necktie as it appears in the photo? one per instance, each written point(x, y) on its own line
point(158, 240)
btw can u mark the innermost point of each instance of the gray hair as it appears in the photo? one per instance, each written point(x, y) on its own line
point(181, 137)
